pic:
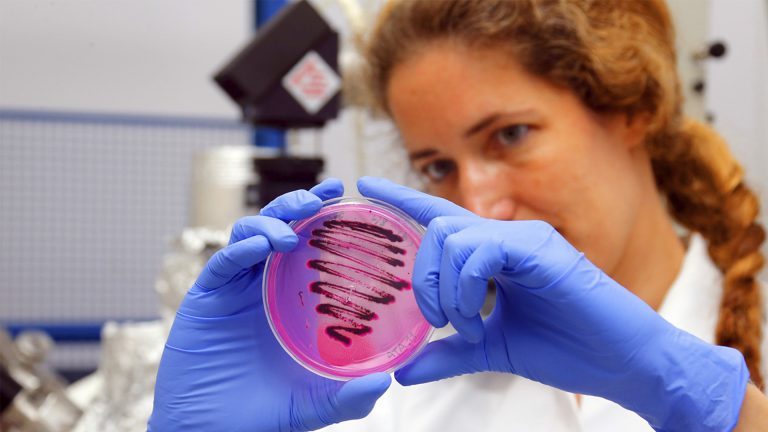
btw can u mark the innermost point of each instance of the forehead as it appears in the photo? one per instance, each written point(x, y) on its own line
point(434, 69)
point(451, 84)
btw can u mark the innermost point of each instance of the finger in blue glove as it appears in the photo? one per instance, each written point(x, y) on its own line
point(223, 369)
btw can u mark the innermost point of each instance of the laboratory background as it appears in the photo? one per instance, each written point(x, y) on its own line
point(130, 141)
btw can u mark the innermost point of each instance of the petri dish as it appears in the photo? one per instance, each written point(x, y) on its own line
point(341, 302)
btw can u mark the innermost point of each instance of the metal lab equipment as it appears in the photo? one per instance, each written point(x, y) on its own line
point(32, 398)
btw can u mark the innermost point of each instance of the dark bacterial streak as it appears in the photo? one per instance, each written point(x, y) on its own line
point(346, 305)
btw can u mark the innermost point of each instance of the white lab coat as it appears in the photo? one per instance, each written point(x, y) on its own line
point(503, 402)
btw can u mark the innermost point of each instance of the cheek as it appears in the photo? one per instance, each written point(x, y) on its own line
point(583, 203)
point(600, 222)
point(545, 189)
point(446, 190)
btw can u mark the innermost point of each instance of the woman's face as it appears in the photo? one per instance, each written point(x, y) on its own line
point(506, 144)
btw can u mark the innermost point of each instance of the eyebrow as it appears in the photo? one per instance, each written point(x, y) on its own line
point(490, 119)
point(482, 124)
point(421, 154)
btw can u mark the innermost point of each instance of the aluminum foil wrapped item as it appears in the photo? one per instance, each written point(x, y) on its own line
point(32, 397)
point(118, 397)
point(191, 250)
point(130, 357)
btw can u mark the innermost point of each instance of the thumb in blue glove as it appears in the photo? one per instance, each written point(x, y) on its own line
point(222, 368)
point(558, 320)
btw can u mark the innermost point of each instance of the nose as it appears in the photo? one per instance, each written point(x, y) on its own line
point(487, 194)
point(491, 208)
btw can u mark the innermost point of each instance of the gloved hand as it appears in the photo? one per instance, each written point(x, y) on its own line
point(223, 369)
point(558, 320)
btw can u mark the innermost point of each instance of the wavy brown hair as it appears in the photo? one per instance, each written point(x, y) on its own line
point(617, 56)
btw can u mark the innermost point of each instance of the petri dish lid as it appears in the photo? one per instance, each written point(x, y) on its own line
point(341, 302)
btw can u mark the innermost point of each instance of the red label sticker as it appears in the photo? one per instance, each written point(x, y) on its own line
point(312, 82)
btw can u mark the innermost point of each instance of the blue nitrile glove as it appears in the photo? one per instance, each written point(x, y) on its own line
point(558, 320)
point(223, 369)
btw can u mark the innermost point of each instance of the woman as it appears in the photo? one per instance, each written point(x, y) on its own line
point(563, 112)
point(570, 112)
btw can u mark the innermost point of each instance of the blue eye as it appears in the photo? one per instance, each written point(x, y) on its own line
point(438, 170)
point(510, 136)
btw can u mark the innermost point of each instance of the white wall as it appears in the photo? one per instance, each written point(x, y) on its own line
point(123, 56)
point(691, 18)
point(737, 85)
